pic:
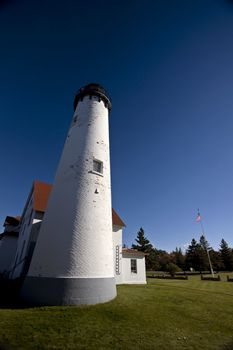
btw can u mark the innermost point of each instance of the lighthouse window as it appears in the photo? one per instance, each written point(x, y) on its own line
point(133, 266)
point(75, 119)
point(97, 166)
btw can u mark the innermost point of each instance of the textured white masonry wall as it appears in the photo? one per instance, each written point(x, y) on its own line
point(75, 239)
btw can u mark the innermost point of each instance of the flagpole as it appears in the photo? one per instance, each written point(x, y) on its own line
point(208, 254)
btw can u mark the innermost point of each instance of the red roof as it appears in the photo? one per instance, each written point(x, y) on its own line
point(116, 219)
point(133, 251)
point(41, 196)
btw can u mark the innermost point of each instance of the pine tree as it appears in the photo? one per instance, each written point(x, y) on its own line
point(190, 254)
point(216, 260)
point(144, 244)
point(204, 261)
point(204, 243)
point(226, 255)
point(179, 258)
point(152, 260)
point(196, 256)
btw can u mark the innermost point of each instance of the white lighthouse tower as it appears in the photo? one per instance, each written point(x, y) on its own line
point(73, 259)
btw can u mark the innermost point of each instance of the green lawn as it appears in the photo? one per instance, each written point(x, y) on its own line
point(165, 314)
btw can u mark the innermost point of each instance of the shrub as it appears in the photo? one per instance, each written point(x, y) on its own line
point(166, 277)
point(172, 269)
point(210, 278)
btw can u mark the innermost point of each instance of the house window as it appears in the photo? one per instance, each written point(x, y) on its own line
point(133, 265)
point(97, 166)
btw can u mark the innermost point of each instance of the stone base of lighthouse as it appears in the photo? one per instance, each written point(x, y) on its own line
point(68, 291)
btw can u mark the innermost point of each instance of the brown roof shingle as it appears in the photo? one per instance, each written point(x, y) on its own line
point(116, 219)
point(41, 195)
point(133, 251)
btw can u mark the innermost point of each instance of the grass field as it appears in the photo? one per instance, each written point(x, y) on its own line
point(165, 314)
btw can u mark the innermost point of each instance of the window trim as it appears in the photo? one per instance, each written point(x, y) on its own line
point(101, 164)
point(134, 269)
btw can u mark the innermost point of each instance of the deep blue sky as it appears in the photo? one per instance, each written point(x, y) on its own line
point(168, 68)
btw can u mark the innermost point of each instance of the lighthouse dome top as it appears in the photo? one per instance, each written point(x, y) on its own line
point(93, 89)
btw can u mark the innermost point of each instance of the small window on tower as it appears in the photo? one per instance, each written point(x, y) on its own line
point(75, 119)
point(97, 166)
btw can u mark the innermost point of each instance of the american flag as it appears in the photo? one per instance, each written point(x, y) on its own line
point(198, 218)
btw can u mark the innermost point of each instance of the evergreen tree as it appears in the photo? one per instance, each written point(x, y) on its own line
point(216, 260)
point(204, 243)
point(178, 258)
point(196, 256)
point(152, 261)
point(190, 254)
point(144, 244)
point(205, 265)
point(226, 255)
point(202, 259)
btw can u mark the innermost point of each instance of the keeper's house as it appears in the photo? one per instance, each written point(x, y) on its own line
point(19, 238)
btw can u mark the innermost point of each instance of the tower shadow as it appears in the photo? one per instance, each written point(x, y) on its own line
point(228, 346)
point(10, 295)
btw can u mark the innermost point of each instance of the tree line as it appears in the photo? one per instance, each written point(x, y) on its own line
point(195, 257)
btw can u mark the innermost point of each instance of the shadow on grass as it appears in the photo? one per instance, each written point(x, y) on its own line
point(12, 305)
point(4, 347)
point(228, 346)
